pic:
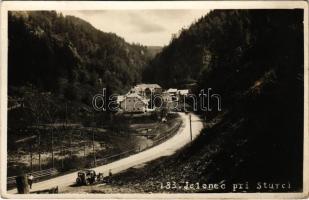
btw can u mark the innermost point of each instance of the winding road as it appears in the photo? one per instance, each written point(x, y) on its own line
point(166, 148)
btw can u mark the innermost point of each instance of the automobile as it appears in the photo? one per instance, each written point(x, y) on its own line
point(87, 177)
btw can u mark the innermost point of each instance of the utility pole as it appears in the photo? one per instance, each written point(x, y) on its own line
point(94, 158)
point(66, 113)
point(30, 148)
point(190, 127)
point(64, 134)
point(84, 148)
point(40, 150)
point(62, 152)
point(52, 146)
point(70, 144)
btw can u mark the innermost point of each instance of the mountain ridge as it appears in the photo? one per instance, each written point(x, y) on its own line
point(72, 52)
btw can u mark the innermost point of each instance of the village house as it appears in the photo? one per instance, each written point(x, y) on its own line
point(173, 92)
point(120, 98)
point(133, 103)
point(166, 97)
point(183, 93)
point(145, 90)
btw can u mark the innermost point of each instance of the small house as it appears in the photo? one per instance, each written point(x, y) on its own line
point(134, 103)
point(174, 93)
point(145, 90)
point(183, 93)
point(166, 97)
point(120, 98)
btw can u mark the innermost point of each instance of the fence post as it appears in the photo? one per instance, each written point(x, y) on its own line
point(52, 146)
point(190, 127)
point(62, 153)
point(70, 144)
point(30, 148)
point(40, 168)
point(85, 149)
point(94, 159)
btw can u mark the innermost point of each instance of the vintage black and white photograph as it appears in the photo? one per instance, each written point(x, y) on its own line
point(155, 100)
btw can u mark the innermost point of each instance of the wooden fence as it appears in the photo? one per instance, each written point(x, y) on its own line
point(52, 171)
point(36, 175)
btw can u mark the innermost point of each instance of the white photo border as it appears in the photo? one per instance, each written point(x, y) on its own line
point(144, 5)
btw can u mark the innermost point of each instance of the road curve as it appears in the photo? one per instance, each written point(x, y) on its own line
point(166, 148)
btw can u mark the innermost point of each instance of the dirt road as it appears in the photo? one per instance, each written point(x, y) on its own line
point(164, 149)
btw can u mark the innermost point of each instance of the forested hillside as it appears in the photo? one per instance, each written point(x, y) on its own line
point(233, 42)
point(255, 60)
point(69, 57)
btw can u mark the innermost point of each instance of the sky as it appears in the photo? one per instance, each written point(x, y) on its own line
point(146, 27)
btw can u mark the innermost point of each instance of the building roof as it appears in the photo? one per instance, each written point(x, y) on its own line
point(133, 95)
point(172, 90)
point(183, 92)
point(144, 85)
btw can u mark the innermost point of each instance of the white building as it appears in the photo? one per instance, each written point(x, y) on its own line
point(120, 98)
point(145, 90)
point(134, 103)
point(174, 93)
point(183, 92)
point(166, 97)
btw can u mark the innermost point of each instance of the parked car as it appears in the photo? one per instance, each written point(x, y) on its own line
point(87, 177)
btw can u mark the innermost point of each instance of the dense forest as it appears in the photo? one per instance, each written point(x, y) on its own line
point(255, 60)
point(58, 63)
point(69, 57)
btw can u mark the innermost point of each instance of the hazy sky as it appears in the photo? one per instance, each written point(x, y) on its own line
point(147, 27)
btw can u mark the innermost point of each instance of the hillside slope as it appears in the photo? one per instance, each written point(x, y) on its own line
point(254, 60)
point(68, 56)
